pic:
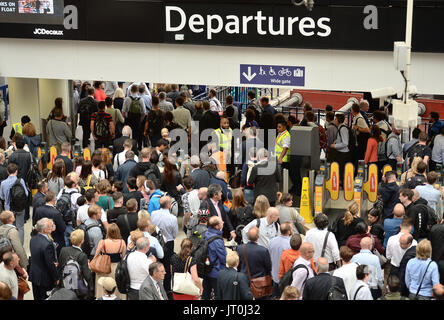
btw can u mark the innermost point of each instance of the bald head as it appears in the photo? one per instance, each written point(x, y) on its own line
point(322, 264)
point(415, 195)
point(366, 243)
point(438, 291)
point(253, 234)
point(398, 210)
point(215, 222)
point(272, 214)
point(221, 175)
point(286, 229)
point(306, 250)
point(165, 202)
point(405, 240)
point(202, 193)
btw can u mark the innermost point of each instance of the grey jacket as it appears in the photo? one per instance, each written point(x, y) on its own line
point(148, 291)
point(14, 237)
point(58, 131)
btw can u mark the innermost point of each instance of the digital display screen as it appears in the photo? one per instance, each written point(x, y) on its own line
point(32, 11)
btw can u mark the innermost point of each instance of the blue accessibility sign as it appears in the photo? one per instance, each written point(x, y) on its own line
point(272, 75)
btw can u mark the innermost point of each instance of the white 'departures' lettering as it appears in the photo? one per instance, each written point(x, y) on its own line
point(233, 24)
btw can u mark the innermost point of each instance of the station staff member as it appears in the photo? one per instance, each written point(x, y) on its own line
point(224, 135)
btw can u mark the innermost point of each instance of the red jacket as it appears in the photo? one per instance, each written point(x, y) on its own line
point(354, 243)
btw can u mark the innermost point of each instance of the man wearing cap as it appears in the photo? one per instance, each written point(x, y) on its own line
point(109, 287)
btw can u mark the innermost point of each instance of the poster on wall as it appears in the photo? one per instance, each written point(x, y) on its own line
point(32, 11)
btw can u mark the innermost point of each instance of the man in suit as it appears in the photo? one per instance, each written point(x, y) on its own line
point(226, 278)
point(43, 271)
point(49, 211)
point(75, 252)
point(124, 169)
point(201, 177)
point(216, 207)
point(87, 106)
point(39, 198)
point(265, 176)
point(118, 143)
point(152, 287)
point(258, 257)
point(317, 288)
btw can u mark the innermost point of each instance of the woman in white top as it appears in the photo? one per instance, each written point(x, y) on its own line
point(96, 171)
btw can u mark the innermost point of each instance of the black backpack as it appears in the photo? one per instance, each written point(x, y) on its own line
point(200, 254)
point(101, 127)
point(33, 176)
point(18, 198)
point(334, 293)
point(244, 216)
point(151, 174)
point(86, 245)
point(287, 278)
point(65, 207)
point(426, 218)
point(122, 276)
point(84, 113)
point(351, 137)
point(416, 151)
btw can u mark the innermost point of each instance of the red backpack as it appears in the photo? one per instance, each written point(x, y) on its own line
point(322, 137)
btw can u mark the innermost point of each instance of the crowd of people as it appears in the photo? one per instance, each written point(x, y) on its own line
point(145, 220)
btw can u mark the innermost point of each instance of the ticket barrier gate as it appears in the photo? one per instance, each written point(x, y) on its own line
point(360, 188)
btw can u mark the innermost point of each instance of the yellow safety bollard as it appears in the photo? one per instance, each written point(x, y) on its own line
point(52, 156)
point(86, 154)
point(349, 181)
point(371, 185)
point(332, 184)
point(386, 168)
point(305, 209)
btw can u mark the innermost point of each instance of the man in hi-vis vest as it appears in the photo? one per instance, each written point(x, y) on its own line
point(18, 127)
point(282, 152)
point(224, 136)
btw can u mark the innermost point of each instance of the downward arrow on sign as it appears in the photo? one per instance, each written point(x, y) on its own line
point(249, 76)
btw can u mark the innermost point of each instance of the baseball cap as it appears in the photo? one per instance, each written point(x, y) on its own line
point(107, 283)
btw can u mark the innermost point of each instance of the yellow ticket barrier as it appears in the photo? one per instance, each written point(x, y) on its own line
point(319, 193)
point(86, 154)
point(371, 185)
point(305, 208)
point(349, 181)
point(52, 156)
point(357, 194)
point(332, 184)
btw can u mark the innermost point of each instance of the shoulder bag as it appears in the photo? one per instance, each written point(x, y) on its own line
point(325, 244)
point(420, 284)
point(183, 282)
point(101, 263)
point(382, 260)
point(296, 223)
point(260, 287)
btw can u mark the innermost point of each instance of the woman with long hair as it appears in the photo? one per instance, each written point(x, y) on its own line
point(287, 213)
point(105, 200)
point(106, 165)
point(32, 139)
point(346, 223)
point(183, 262)
point(171, 179)
point(56, 178)
point(261, 206)
point(371, 153)
point(97, 167)
point(86, 178)
point(413, 171)
point(113, 246)
point(240, 212)
point(78, 163)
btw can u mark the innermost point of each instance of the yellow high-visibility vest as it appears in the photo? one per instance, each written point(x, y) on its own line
point(17, 127)
point(224, 140)
point(280, 146)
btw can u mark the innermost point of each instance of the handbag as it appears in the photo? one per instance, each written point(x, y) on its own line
point(101, 262)
point(382, 260)
point(183, 283)
point(23, 286)
point(260, 287)
point(296, 223)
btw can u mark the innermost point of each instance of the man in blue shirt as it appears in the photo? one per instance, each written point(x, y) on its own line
point(275, 247)
point(391, 226)
point(429, 192)
point(5, 195)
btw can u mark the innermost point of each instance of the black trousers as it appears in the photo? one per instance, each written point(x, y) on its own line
point(86, 135)
point(168, 252)
point(101, 144)
point(342, 158)
point(39, 292)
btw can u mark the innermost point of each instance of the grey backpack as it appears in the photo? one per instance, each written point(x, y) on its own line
point(72, 278)
point(4, 241)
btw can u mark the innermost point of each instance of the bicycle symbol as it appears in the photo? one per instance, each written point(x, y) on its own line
point(285, 71)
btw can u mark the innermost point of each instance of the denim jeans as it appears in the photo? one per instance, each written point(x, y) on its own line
point(249, 196)
point(68, 231)
point(20, 224)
